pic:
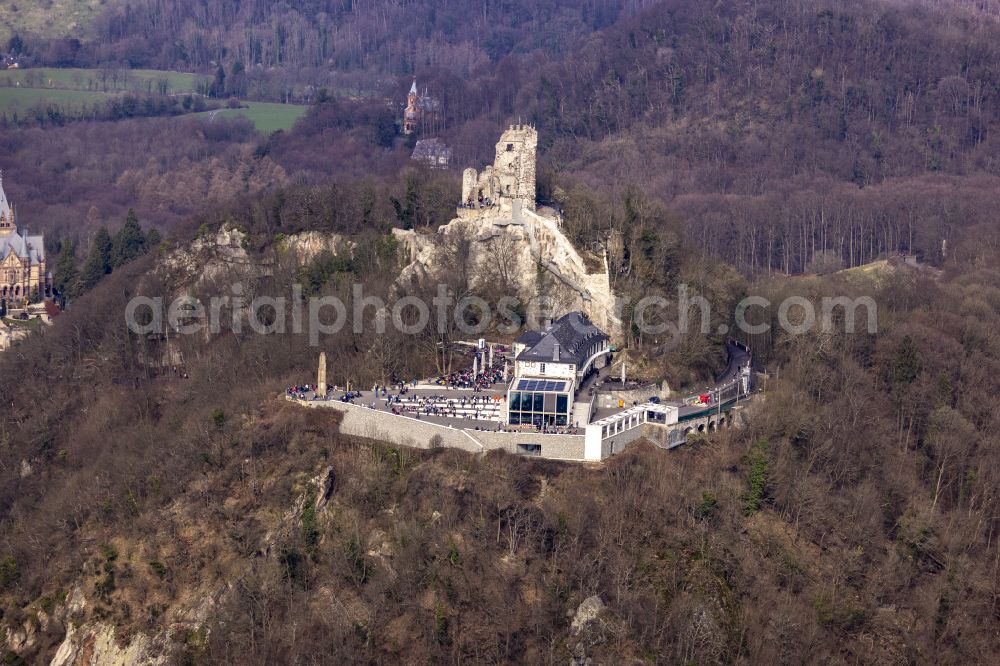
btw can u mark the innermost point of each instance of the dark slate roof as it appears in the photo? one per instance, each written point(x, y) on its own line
point(431, 151)
point(529, 338)
point(566, 340)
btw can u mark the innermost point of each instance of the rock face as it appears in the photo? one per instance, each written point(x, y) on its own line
point(587, 630)
point(89, 643)
point(210, 256)
point(95, 645)
point(526, 245)
point(324, 486)
point(307, 245)
point(511, 241)
point(213, 255)
point(587, 612)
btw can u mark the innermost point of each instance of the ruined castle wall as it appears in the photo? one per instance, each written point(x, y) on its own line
point(514, 166)
point(470, 178)
point(543, 257)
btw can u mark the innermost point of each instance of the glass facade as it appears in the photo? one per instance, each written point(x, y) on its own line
point(538, 408)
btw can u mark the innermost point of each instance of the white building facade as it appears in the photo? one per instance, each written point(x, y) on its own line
point(550, 366)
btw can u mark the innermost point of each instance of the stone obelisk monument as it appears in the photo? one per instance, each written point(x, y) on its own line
point(321, 376)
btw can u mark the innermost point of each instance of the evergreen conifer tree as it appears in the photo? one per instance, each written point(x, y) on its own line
point(92, 271)
point(129, 243)
point(104, 245)
point(66, 273)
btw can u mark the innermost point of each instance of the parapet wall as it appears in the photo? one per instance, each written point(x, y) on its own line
point(400, 430)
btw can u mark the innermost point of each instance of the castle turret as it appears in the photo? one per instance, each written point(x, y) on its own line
point(514, 167)
point(6, 212)
point(411, 116)
point(511, 177)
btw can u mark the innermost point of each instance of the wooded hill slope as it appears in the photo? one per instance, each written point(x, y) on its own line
point(782, 137)
point(855, 518)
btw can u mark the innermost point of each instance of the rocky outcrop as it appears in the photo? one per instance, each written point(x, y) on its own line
point(96, 645)
point(216, 254)
point(324, 486)
point(213, 255)
point(587, 613)
point(533, 250)
point(512, 241)
point(305, 246)
point(586, 630)
point(87, 644)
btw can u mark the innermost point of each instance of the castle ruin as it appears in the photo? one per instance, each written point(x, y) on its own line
point(499, 214)
point(512, 175)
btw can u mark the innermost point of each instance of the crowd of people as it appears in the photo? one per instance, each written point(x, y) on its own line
point(398, 399)
point(471, 407)
point(401, 402)
point(300, 391)
point(484, 202)
point(482, 381)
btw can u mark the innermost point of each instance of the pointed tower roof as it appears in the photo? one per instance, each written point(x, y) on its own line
point(4, 206)
point(413, 88)
point(5, 212)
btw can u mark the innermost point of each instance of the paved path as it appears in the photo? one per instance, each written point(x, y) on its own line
point(738, 359)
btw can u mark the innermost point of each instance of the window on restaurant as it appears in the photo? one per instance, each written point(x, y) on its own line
point(538, 408)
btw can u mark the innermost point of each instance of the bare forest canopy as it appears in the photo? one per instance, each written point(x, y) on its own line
point(721, 146)
point(853, 520)
point(384, 35)
point(781, 136)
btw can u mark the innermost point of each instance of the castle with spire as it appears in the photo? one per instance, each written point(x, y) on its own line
point(23, 275)
point(419, 109)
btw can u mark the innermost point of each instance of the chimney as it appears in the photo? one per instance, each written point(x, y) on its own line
point(555, 352)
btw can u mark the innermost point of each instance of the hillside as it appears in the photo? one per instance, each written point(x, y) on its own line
point(152, 501)
point(724, 116)
point(65, 18)
point(160, 502)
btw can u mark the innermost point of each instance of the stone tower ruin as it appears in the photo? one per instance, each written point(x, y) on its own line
point(510, 178)
point(513, 242)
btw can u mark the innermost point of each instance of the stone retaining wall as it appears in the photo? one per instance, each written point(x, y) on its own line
point(407, 431)
point(554, 447)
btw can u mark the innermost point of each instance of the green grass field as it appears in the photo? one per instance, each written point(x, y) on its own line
point(20, 100)
point(107, 80)
point(266, 116)
point(71, 89)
